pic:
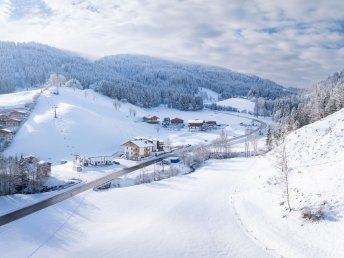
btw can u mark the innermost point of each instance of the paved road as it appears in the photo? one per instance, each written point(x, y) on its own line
point(17, 214)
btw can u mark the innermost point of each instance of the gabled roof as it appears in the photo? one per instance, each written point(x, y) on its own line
point(21, 112)
point(150, 117)
point(176, 119)
point(5, 131)
point(196, 121)
point(13, 120)
point(140, 143)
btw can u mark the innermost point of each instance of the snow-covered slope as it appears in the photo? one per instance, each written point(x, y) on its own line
point(88, 124)
point(18, 99)
point(187, 216)
point(239, 103)
point(315, 157)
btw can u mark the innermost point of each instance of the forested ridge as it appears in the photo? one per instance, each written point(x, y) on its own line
point(310, 105)
point(141, 80)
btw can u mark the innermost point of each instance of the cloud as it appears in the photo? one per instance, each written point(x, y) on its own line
point(291, 42)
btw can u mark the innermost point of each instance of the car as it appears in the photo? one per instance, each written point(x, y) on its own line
point(115, 162)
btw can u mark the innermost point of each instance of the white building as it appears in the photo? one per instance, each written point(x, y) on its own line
point(138, 148)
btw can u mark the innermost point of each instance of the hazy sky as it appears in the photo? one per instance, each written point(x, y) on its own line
point(294, 42)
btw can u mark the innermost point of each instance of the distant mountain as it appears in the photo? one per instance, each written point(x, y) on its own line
point(142, 80)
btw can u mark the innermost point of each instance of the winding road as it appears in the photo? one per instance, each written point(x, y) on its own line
point(22, 212)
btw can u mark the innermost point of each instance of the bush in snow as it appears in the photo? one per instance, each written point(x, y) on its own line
point(320, 212)
point(312, 214)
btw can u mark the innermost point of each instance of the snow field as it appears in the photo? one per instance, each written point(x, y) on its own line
point(239, 103)
point(184, 216)
point(88, 124)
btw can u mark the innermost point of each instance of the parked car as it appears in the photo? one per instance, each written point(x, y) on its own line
point(115, 162)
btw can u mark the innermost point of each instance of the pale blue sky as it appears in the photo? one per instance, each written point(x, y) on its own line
point(292, 42)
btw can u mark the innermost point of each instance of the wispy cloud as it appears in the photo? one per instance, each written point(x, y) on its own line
point(292, 42)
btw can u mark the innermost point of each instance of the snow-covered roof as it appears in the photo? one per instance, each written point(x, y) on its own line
point(151, 117)
point(19, 112)
point(5, 131)
point(196, 121)
point(13, 120)
point(143, 143)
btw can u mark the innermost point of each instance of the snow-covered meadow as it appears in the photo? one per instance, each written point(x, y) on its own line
point(88, 124)
point(240, 103)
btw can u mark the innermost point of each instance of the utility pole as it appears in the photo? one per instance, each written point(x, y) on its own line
point(55, 113)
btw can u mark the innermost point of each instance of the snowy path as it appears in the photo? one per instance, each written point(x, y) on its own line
point(185, 216)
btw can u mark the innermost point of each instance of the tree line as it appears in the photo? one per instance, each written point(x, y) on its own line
point(142, 80)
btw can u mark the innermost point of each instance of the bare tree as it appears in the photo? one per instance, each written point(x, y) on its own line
point(116, 104)
point(283, 167)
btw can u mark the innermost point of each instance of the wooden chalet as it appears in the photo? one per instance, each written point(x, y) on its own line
point(211, 124)
point(18, 114)
point(3, 118)
point(151, 119)
point(12, 122)
point(6, 134)
point(177, 121)
point(137, 149)
point(196, 124)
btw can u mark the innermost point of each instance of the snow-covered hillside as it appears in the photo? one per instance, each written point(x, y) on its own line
point(88, 124)
point(142, 80)
point(18, 99)
point(239, 103)
point(315, 156)
point(187, 216)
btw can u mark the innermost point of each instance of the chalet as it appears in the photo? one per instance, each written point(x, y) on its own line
point(44, 168)
point(211, 124)
point(177, 121)
point(196, 124)
point(3, 118)
point(158, 144)
point(151, 119)
point(18, 114)
point(12, 122)
point(137, 149)
point(6, 134)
